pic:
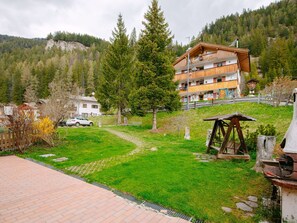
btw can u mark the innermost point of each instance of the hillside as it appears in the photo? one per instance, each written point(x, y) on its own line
point(10, 43)
point(26, 63)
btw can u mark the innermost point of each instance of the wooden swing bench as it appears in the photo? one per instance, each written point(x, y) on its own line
point(234, 148)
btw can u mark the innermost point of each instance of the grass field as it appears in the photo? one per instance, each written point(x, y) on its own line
point(171, 176)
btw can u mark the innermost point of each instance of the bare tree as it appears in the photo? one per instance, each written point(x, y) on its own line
point(31, 90)
point(280, 89)
point(21, 126)
point(58, 103)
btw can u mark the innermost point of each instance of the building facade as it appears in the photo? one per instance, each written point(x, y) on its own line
point(85, 106)
point(213, 72)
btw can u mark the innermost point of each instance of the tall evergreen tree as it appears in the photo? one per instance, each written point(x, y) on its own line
point(90, 79)
point(155, 88)
point(4, 90)
point(17, 87)
point(133, 38)
point(117, 68)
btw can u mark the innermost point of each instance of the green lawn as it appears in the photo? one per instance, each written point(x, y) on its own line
point(82, 145)
point(171, 176)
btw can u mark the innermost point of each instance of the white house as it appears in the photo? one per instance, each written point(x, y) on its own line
point(85, 106)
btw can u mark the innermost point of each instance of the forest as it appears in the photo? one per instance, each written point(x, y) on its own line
point(270, 33)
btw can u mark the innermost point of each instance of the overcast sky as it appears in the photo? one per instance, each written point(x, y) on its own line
point(37, 18)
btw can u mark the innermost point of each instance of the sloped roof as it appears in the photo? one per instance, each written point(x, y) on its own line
point(240, 116)
point(243, 54)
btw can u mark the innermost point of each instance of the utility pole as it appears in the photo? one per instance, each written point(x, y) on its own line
point(188, 74)
point(188, 77)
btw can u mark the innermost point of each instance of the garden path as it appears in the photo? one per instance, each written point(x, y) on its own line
point(89, 168)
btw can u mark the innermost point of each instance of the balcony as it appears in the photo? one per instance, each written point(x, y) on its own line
point(214, 86)
point(206, 73)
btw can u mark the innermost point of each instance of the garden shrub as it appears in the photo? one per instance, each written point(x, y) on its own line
point(45, 130)
point(251, 137)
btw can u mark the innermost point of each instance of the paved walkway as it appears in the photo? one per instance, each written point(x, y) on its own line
point(30, 192)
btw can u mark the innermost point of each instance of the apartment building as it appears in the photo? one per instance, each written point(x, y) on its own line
point(213, 72)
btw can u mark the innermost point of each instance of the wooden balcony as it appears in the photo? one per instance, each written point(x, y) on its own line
point(211, 87)
point(206, 73)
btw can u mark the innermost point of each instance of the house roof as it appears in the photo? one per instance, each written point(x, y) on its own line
point(242, 54)
point(84, 98)
point(240, 116)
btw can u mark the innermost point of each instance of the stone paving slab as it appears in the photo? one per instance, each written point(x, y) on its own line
point(30, 192)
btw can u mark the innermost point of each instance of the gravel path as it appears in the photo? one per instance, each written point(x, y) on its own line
point(89, 168)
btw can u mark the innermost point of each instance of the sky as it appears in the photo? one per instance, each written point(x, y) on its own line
point(186, 18)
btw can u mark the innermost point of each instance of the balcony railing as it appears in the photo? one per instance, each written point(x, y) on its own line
point(206, 73)
point(214, 86)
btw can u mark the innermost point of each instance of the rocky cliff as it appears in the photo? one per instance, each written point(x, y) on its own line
point(63, 45)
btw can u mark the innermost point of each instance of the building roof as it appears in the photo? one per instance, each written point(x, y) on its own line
point(243, 54)
point(84, 98)
point(240, 116)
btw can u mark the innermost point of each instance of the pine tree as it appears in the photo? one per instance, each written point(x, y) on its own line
point(4, 93)
point(155, 88)
point(90, 78)
point(133, 38)
point(117, 68)
point(17, 88)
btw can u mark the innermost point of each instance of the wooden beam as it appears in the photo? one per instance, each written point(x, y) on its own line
point(240, 136)
point(226, 138)
point(222, 128)
point(213, 133)
point(231, 156)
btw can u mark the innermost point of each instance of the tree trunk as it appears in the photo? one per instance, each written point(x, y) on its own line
point(154, 119)
point(119, 116)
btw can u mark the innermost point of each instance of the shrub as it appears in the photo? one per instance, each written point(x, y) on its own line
point(251, 137)
point(45, 130)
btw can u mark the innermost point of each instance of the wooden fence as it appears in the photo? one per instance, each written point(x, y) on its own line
point(194, 105)
point(14, 140)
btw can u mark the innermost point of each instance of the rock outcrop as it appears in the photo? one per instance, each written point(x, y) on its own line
point(63, 45)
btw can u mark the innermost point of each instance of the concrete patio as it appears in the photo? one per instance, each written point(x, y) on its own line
point(30, 192)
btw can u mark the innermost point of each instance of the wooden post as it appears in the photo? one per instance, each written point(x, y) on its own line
point(226, 138)
point(240, 136)
point(215, 127)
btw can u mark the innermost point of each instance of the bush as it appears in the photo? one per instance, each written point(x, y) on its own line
point(45, 130)
point(251, 137)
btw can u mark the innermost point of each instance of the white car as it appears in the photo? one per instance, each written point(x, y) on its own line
point(77, 121)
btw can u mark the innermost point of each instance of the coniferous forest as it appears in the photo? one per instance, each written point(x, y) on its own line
point(269, 33)
point(26, 63)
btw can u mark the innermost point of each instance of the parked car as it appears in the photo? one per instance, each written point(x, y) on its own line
point(77, 121)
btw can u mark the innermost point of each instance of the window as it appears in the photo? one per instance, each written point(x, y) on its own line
point(84, 106)
point(219, 79)
point(94, 106)
point(220, 64)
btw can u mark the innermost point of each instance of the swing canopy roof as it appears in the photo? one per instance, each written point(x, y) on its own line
point(237, 115)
